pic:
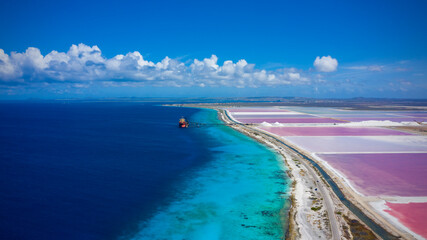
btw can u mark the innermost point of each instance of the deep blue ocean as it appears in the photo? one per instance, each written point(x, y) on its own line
point(98, 170)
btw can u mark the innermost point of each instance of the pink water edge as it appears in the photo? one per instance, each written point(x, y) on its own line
point(383, 174)
point(332, 131)
point(393, 119)
point(356, 115)
point(359, 144)
point(290, 120)
point(256, 110)
point(412, 215)
point(424, 115)
point(258, 116)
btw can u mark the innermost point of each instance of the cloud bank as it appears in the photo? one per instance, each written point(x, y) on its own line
point(85, 70)
point(372, 68)
point(82, 64)
point(325, 64)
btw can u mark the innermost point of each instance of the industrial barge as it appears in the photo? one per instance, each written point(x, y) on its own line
point(183, 123)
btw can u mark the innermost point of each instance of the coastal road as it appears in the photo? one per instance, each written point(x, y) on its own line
point(327, 200)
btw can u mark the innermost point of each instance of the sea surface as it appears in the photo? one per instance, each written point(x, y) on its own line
point(97, 170)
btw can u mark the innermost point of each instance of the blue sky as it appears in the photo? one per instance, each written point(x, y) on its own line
point(364, 48)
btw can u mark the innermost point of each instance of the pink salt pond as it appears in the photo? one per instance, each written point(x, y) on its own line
point(393, 119)
point(423, 115)
point(373, 115)
point(243, 116)
point(367, 144)
point(290, 120)
point(332, 131)
point(412, 215)
point(256, 110)
point(383, 174)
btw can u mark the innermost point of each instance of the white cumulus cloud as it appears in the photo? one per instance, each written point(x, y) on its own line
point(83, 64)
point(325, 64)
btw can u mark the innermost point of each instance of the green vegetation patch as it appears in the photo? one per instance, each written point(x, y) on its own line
point(316, 208)
point(359, 231)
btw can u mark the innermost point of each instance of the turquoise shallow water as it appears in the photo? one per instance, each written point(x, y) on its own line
point(241, 193)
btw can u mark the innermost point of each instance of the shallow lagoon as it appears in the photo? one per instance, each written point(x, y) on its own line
point(291, 120)
point(411, 214)
point(383, 174)
point(332, 131)
point(341, 144)
point(240, 194)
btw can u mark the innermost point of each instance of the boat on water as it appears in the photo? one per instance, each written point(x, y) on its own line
point(183, 123)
